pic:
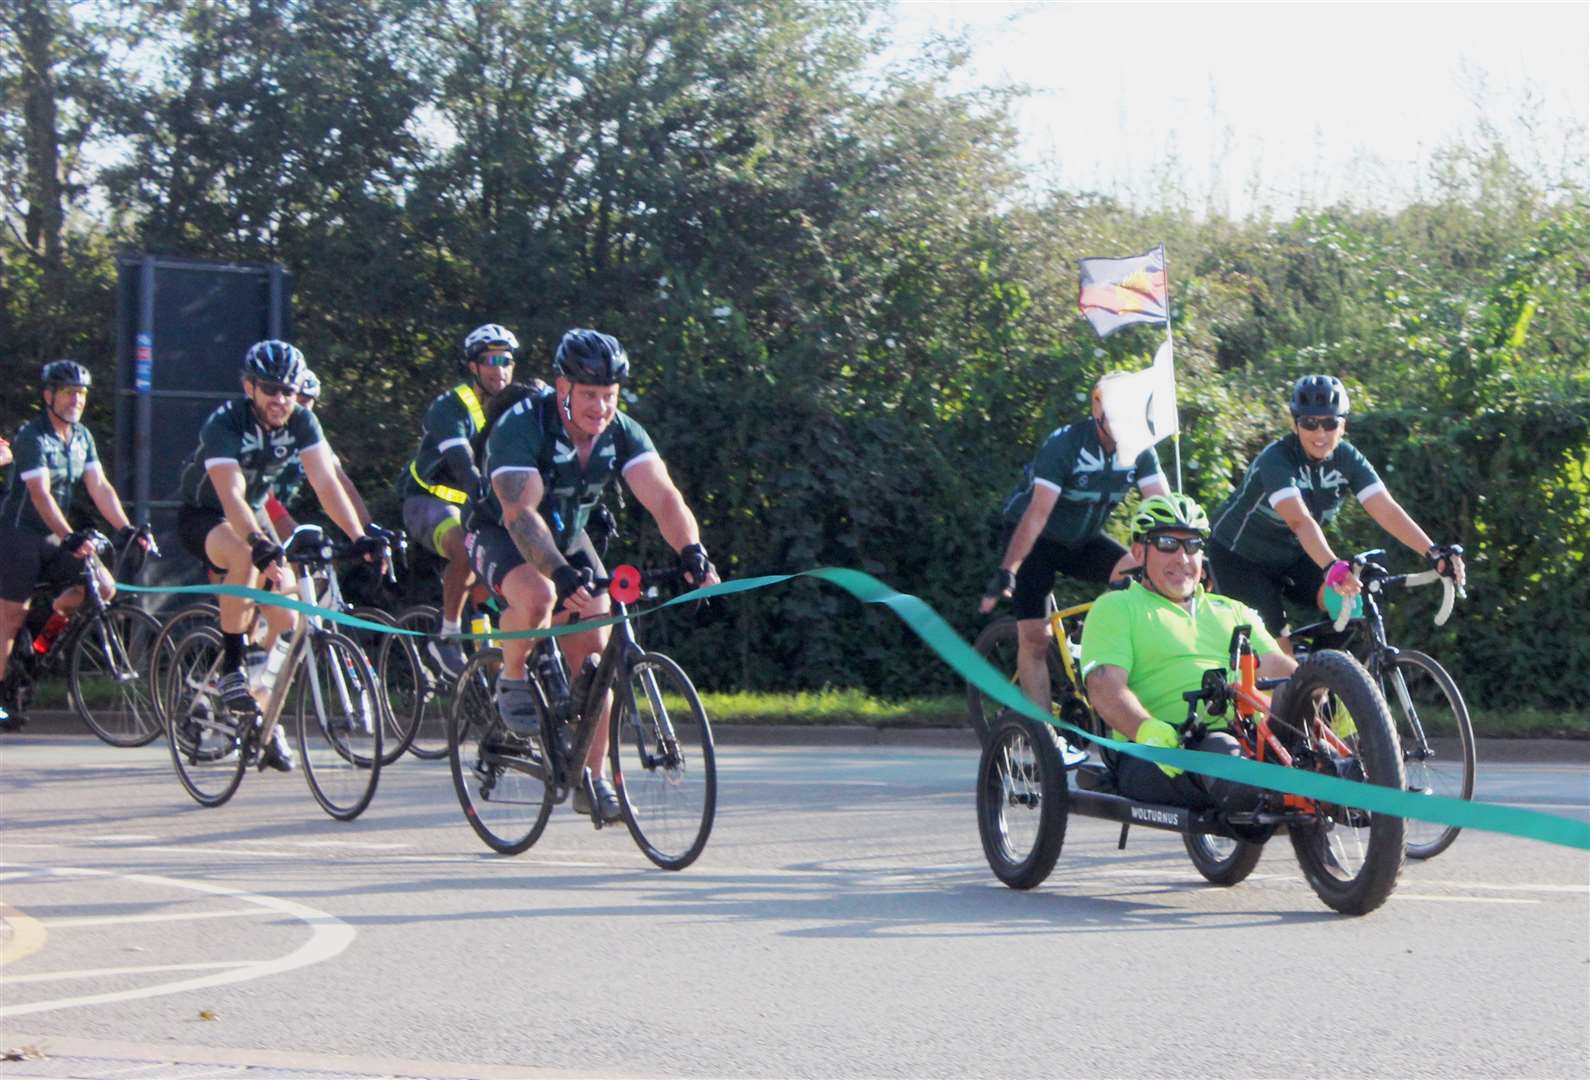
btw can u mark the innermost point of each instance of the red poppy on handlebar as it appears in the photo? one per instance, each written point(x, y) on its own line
point(625, 586)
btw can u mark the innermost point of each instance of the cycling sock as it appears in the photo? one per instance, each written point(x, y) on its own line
point(232, 651)
point(452, 627)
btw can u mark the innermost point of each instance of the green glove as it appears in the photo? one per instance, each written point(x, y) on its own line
point(1158, 733)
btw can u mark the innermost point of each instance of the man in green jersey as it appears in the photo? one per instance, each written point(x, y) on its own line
point(1144, 646)
point(1054, 524)
point(443, 475)
point(549, 461)
point(54, 454)
point(1269, 542)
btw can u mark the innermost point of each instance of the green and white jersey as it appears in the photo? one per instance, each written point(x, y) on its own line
point(1072, 461)
point(531, 438)
point(232, 433)
point(452, 420)
point(1164, 648)
point(37, 449)
point(1248, 524)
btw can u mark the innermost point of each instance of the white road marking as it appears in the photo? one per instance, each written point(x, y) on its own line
point(173, 916)
point(91, 973)
point(328, 936)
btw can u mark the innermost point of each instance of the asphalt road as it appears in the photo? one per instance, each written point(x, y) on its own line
point(842, 922)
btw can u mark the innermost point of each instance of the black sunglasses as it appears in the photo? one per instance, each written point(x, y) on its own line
point(1314, 423)
point(275, 389)
point(1166, 543)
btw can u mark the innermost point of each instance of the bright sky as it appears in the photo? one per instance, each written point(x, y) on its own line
point(1280, 104)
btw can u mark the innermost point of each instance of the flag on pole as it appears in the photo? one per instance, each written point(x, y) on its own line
point(1140, 407)
point(1120, 292)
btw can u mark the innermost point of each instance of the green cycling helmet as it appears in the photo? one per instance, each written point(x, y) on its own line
point(1160, 512)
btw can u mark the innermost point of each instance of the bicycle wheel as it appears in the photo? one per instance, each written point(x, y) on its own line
point(1221, 860)
point(108, 675)
point(1022, 801)
point(209, 746)
point(1425, 704)
point(1351, 857)
point(500, 778)
point(396, 667)
point(339, 724)
point(433, 708)
point(176, 626)
point(997, 645)
point(664, 764)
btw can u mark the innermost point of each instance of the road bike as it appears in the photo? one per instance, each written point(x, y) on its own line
point(1352, 858)
point(327, 679)
point(660, 745)
point(102, 650)
point(1424, 699)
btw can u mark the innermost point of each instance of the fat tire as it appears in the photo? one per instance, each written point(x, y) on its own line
point(1217, 869)
point(1380, 756)
point(1024, 746)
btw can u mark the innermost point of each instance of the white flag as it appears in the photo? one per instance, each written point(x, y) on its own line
point(1140, 407)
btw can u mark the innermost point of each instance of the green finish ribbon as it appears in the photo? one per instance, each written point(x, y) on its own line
point(940, 637)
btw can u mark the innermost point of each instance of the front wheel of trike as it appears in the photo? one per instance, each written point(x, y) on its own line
point(1350, 856)
point(1022, 800)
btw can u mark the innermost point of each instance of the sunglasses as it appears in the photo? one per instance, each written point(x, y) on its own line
point(496, 359)
point(1166, 543)
point(1314, 423)
point(276, 389)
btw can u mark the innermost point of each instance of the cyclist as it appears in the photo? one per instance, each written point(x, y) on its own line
point(244, 447)
point(287, 488)
point(549, 460)
point(54, 453)
point(1054, 523)
point(1269, 542)
point(1143, 646)
point(442, 476)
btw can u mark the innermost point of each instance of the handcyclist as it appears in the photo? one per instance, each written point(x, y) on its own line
point(54, 453)
point(1054, 524)
point(1269, 543)
point(1142, 647)
point(443, 475)
point(244, 447)
point(549, 461)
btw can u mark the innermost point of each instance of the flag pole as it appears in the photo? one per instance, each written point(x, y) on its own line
point(1175, 440)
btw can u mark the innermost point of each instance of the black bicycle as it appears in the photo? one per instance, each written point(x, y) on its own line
point(1424, 699)
point(659, 746)
point(102, 649)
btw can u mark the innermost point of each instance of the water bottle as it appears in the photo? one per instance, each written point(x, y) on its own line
point(273, 667)
point(479, 624)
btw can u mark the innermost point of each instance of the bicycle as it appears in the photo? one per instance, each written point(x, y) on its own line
point(337, 709)
point(430, 705)
point(1352, 858)
point(102, 649)
point(1069, 700)
point(1423, 697)
point(507, 784)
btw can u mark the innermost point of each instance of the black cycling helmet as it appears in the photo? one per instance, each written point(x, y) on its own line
point(275, 361)
point(591, 357)
point(481, 338)
point(1319, 395)
point(59, 373)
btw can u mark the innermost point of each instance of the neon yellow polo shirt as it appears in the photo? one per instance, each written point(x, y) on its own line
point(1164, 648)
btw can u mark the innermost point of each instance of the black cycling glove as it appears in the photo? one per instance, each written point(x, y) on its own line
point(1002, 583)
point(1442, 553)
point(695, 564)
point(567, 580)
point(371, 546)
point(263, 551)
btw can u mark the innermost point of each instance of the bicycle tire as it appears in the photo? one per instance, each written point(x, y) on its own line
point(396, 667)
point(1351, 858)
point(172, 630)
point(339, 723)
point(664, 761)
point(1222, 860)
point(997, 645)
point(434, 714)
point(109, 658)
point(500, 779)
point(1421, 680)
point(1021, 768)
point(209, 747)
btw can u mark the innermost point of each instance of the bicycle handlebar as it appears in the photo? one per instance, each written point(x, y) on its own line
point(1377, 580)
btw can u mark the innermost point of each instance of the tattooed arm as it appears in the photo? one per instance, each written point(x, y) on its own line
point(519, 491)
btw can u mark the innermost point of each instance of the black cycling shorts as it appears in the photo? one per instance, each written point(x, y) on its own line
point(1145, 781)
point(194, 524)
point(1265, 590)
point(31, 560)
point(1089, 561)
point(493, 555)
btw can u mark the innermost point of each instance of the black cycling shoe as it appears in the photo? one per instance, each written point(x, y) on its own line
point(276, 753)
point(606, 798)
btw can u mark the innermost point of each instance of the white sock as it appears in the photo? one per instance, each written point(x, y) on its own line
point(451, 627)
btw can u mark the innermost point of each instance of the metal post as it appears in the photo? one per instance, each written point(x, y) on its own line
point(143, 377)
